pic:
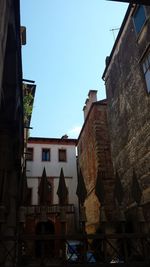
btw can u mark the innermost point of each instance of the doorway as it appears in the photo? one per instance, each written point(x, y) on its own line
point(45, 248)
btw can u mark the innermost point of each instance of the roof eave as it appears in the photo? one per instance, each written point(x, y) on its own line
point(117, 39)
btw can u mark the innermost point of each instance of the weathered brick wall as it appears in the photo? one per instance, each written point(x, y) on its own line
point(94, 153)
point(129, 110)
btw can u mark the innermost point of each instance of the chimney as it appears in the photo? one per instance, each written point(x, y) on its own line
point(92, 97)
point(64, 136)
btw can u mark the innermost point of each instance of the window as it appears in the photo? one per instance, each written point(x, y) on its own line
point(146, 70)
point(45, 154)
point(139, 18)
point(62, 155)
point(29, 154)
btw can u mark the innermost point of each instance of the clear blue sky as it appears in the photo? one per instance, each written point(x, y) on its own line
point(67, 43)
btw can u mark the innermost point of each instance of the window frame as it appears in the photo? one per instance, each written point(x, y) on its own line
point(145, 64)
point(43, 158)
point(133, 18)
point(59, 158)
point(31, 154)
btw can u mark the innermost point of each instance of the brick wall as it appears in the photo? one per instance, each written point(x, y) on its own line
point(94, 153)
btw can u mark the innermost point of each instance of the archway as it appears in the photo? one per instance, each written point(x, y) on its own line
point(44, 248)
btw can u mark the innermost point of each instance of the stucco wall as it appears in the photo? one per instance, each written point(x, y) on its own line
point(53, 167)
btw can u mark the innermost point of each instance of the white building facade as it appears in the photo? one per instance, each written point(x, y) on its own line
point(52, 154)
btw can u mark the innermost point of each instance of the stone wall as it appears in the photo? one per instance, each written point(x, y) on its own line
point(129, 109)
point(4, 18)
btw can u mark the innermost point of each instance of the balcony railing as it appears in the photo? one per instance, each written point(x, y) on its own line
point(37, 209)
point(97, 250)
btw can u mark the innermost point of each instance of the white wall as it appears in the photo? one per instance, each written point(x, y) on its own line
point(53, 167)
point(33, 183)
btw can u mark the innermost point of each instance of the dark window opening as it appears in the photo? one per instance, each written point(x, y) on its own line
point(45, 154)
point(139, 18)
point(45, 247)
point(62, 155)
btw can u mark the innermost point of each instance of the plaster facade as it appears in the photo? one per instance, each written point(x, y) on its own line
point(53, 168)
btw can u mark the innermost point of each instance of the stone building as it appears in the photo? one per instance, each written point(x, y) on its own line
point(11, 115)
point(127, 80)
point(93, 156)
point(11, 126)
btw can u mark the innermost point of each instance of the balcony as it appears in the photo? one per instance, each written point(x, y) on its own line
point(38, 209)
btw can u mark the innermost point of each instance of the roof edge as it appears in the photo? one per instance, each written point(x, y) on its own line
point(117, 39)
point(66, 140)
point(100, 102)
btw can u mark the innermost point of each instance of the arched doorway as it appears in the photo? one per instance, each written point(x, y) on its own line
point(46, 247)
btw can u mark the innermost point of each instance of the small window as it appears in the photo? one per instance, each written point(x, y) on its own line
point(146, 70)
point(45, 154)
point(62, 155)
point(139, 18)
point(29, 154)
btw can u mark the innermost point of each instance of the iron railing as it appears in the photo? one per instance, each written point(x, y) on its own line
point(100, 249)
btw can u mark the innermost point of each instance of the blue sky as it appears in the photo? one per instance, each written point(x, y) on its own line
point(67, 43)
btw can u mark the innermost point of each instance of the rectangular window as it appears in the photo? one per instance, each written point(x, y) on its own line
point(146, 70)
point(45, 154)
point(139, 18)
point(29, 154)
point(62, 155)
